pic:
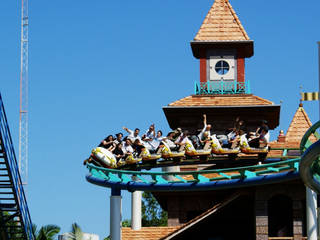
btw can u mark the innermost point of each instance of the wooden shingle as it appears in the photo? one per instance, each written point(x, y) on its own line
point(221, 100)
point(146, 233)
point(221, 24)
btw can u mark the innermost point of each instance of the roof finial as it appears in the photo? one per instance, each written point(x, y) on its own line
point(300, 104)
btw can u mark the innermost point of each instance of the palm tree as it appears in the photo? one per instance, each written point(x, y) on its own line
point(76, 232)
point(47, 232)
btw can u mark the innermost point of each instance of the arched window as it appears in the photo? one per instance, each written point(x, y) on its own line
point(280, 220)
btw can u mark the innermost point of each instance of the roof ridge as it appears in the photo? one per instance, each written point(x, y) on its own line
point(237, 20)
point(306, 116)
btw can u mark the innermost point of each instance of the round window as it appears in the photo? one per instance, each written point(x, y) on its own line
point(222, 67)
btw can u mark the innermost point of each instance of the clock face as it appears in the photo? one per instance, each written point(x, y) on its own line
point(222, 67)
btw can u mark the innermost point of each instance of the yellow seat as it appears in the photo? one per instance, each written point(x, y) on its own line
point(245, 148)
point(191, 151)
point(217, 149)
point(147, 156)
point(131, 160)
point(167, 153)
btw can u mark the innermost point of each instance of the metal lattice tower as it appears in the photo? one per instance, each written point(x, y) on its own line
point(23, 113)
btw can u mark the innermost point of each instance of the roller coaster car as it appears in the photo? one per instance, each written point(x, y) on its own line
point(104, 157)
point(217, 149)
point(192, 152)
point(245, 148)
point(147, 156)
point(130, 159)
point(166, 152)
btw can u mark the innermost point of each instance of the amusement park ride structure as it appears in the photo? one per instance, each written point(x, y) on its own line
point(223, 93)
point(23, 111)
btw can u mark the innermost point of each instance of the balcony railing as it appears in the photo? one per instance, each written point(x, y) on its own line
point(222, 87)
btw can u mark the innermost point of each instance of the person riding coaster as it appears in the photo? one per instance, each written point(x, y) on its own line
point(245, 148)
point(218, 150)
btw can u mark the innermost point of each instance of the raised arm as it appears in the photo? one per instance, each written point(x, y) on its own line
point(127, 130)
point(204, 119)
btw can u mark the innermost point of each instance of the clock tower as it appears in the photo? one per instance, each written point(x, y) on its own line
point(223, 93)
point(222, 45)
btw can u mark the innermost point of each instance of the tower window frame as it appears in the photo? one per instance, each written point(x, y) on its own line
point(222, 67)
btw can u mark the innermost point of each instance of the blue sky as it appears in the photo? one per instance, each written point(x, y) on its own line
point(95, 66)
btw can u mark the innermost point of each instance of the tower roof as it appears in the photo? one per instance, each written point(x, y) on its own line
point(221, 24)
point(221, 29)
point(299, 125)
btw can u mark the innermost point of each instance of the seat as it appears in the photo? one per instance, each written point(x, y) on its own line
point(217, 149)
point(167, 153)
point(191, 151)
point(130, 159)
point(245, 148)
point(147, 156)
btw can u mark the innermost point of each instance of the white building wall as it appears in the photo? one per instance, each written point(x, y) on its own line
point(86, 236)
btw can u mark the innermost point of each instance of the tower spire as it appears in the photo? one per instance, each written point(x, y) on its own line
point(221, 24)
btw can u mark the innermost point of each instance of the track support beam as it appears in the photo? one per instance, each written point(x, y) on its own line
point(311, 198)
point(136, 210)
point(115, 214)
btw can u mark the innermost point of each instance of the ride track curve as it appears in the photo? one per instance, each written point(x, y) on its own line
point(307, 167)
point(310, 165)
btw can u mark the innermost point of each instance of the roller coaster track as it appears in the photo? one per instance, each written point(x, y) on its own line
point(201, 180)
point(310, 164)
point(15, 221)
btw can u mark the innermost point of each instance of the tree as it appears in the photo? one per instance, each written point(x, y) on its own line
point(8, 226)
point(47, 232)
point(76, 232)
point(126, 223)
point(152, 213)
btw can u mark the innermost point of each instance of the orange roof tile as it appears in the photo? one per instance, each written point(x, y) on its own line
point(146, 233)
point(221, 24)
point(221, 100)
point(299, 125)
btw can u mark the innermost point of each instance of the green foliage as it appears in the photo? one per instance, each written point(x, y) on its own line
point(152, 214)
point(126, 223)
point(76, 232)
point(12, 232)
point(47, 232)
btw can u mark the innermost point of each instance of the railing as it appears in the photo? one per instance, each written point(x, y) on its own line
point(222, 87)
point(6, 142)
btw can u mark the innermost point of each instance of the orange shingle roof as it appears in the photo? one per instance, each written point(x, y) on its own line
point(221, 24)
point(299, 125)
point(146, 233)
point(221, 100)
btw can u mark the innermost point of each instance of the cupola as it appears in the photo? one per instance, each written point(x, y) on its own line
point(222, 45)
